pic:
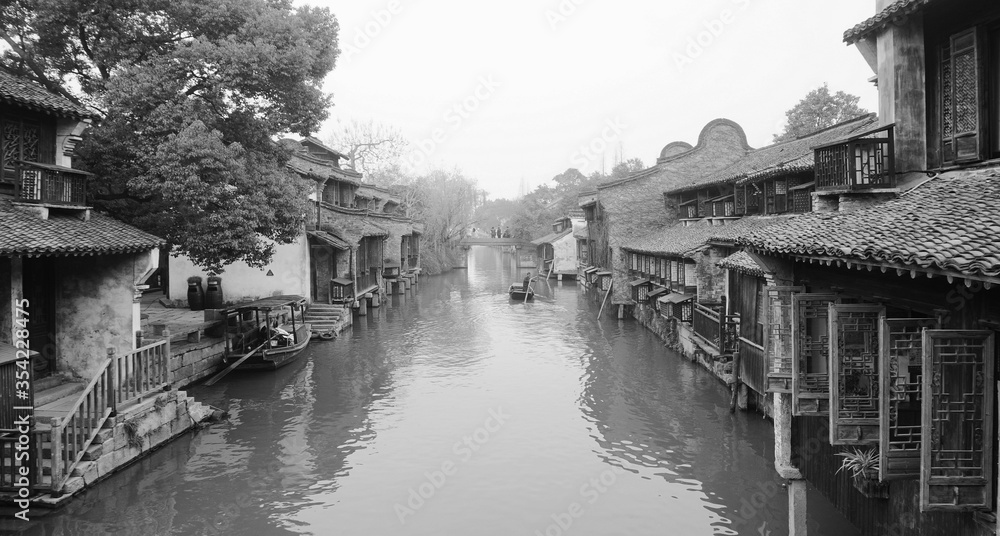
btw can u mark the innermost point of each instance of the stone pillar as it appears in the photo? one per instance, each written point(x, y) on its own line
point(797, 511)
point(559, 277)
point(376, 300)
point(362, 307)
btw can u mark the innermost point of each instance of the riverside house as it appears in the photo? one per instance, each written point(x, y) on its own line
point(354, 248)
point(622, 209)
point(70, 279)
point(558, 252)
point(882, 316)
point(861, 308)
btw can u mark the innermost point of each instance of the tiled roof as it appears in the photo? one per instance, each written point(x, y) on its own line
point(23, 232)
point(353, 229)
point(303, 164)
point(732, 232)
point(781, 158)
point(551, 237)
point(949, 223)
point(894, 11)
point(22, 92)
point(741, 262)
point(681, 240)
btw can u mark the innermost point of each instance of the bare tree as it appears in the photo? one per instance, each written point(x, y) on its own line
point(371, 147)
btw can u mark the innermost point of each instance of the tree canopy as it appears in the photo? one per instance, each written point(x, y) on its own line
point(192, 95)
point(818, 110)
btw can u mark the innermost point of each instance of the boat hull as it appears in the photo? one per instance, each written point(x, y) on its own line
point(517, 294)
point(275, 358)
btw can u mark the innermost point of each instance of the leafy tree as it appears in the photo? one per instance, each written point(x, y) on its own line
point(818, 110)
point(445, 201)
point(372, 148)
point(627, 167)
point(192, 95)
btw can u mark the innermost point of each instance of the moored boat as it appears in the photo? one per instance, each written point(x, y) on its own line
point(266, 334)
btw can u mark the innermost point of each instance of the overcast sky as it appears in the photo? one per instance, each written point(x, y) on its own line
point(521, 90)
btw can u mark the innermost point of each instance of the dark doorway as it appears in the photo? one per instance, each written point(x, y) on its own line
point(39, 289)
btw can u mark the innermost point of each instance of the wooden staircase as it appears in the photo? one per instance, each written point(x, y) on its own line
point(325, 319)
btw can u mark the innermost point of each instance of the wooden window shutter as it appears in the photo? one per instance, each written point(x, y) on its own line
point(811, 348)
point(854, 374)
point(956, 462)
point(961, 94)
point(901, 390)
point(778, 337)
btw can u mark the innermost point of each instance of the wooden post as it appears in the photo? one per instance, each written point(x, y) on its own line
point(166, 361)
point(113, 403)
point(56, 469)
point(737, 361)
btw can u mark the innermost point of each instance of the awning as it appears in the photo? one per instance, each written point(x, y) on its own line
point(329, 239)
point(591, 270)
point(638, 282)
point(656, 292)
point(676, 297)
point(343, 281)
point(603, 273)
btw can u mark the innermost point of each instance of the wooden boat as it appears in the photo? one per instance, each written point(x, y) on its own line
point(517, 294)
point(272, 328)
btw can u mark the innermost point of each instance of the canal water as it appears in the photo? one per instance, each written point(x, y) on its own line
point(455, 411)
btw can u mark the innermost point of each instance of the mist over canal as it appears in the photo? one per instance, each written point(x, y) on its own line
point(456, 411)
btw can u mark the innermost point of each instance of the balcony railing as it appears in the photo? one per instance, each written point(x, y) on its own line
point(863, 162)
point(721, 331)
point(50, 184)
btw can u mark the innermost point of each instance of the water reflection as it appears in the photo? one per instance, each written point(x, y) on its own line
point(455, 410)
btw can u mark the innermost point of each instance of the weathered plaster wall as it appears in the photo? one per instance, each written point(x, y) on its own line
point(636, 207)
point(93, 305)
point(902, 87)
point(711, 279)
point(564, 251)
point(290, 266)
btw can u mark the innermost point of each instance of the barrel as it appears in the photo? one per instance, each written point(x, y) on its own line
point(213, 295)
point(196, 296)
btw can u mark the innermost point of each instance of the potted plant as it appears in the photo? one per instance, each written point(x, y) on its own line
point(863, 465)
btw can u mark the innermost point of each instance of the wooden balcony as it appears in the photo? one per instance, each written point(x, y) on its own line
point(50, 184)
point(864, 162)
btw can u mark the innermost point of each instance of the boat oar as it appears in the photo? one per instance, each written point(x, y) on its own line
point(606, 294)
point(529, 290)
point(230, 368)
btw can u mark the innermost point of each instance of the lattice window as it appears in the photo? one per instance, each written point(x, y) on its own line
point(854, 373)
point(778, 338)
point(960, 94)
point(740, 200)
point(802, 200)
point(956, 462)
point(769, 197)
point(729, 208)
point(753, 198)
point(901, 363)
point(811, 340)
point(780, 196)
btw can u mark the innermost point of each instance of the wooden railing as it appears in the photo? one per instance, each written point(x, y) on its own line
point(862, 162)
point(49, 184)
point(753, 365)
point(121, 379)
point(706, 323)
